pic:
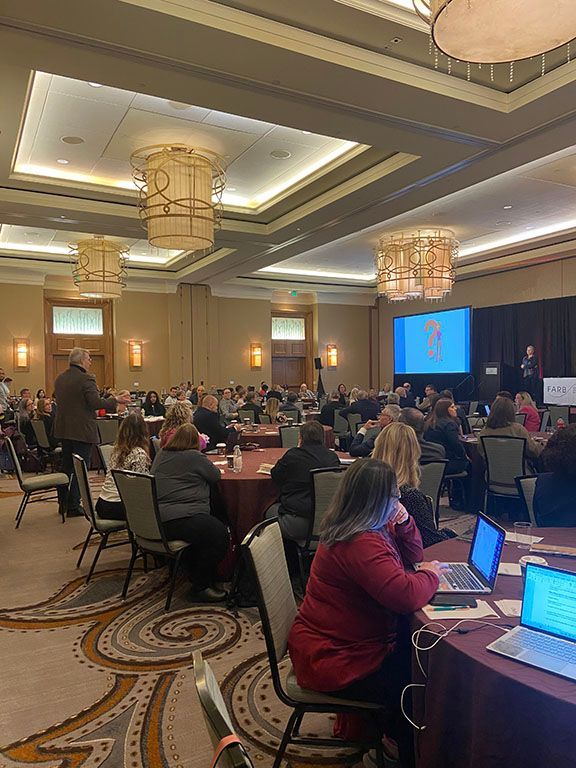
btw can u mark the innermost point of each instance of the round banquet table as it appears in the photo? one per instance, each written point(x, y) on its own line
point(482, 710)
point(246, 495)
point(154, 424)
point(268, 436)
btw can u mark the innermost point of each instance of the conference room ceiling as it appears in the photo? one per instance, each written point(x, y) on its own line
point(378, 138)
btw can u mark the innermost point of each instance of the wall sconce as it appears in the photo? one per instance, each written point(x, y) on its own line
point(332, 355)
point(21, 354)
point(135, 354)
point(255, 355)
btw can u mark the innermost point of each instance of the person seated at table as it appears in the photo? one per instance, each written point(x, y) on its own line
point(305, 393)
point(342, 396)
point(502, 423)
point(152, 405)
point(40, 395)
point(44, 414)
point(429, 451)
point(367, 409)
point(291, 474)
point(348, 638)
point(404, 400)
point(353, 397)
point(442, 426)
point(556, 487)
point(398, 446)
point(504, 393)
point(525, 404)
point(460, 412)
point(363, 445)
point(130, 452)
point(292, 408)
point(198, 394)
point(178, 414)
point(171, 398)
point(207, 421)
point(26, 410)
point(239, 396)
point(263, 389)
point(426, 406)
point(393, 399)
point(277, 391)
point(227, 407)
point(250, 404)
point(272, 409)
point(183, 480)
point(327, 413)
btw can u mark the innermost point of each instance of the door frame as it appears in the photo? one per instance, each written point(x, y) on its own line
point(307, 314)
point(108, 336)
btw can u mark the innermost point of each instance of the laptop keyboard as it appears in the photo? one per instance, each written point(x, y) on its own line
point(459, 577)
point(527, 640)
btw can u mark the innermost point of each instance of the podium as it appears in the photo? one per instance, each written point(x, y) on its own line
point(494, 377)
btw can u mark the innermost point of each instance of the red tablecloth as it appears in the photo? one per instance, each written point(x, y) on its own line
point(482, 710)
point(268, 436)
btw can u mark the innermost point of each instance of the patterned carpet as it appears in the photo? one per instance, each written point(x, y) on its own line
point(91, 680)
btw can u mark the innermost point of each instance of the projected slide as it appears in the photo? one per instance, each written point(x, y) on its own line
point(436, 342)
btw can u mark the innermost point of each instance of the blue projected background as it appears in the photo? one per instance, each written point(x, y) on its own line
point(436, 342)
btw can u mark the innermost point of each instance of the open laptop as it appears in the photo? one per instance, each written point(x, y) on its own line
point(546, 636)
point(478, 575)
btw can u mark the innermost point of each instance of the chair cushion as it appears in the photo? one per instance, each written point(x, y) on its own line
point(107, 526)
point(151, 545)
point(44, 482)
point(305, 696)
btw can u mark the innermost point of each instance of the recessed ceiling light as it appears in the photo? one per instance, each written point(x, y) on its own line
point(280, 154)
point(72, 139)
point(95, 85)
point(307, 132)
point(62, 161)
point(63, 216)
point(178, 105)
point(507, 207)
point(503, 223)
point(230, 189)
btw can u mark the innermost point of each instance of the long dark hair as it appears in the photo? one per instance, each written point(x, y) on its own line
point(440, 411)
point(502, 413)
point(361, 502)
point(132, 434)
point(148, 394)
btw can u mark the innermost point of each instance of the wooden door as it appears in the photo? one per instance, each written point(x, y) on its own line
point(59, 345)
point(289, 370)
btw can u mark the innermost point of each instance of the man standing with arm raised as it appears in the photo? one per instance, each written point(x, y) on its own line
point(75, 424)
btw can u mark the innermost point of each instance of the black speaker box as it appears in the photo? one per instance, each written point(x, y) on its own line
point(318, 363)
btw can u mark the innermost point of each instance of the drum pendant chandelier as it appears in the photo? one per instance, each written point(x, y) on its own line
point(99, 267)
point(416, 265)
point(180, 195)
point(497, 31)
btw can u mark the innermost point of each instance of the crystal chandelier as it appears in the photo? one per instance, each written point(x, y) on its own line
point(180, 198)
point(416, 265)
point(99, 267)
point(497, 31)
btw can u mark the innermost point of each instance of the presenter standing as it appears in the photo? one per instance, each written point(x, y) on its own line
point(531, 373)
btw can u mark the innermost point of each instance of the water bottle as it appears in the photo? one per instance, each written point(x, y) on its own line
point(237, 463)
point(560, 424)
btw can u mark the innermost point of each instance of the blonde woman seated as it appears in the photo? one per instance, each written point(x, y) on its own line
point(525, 404)
point(130, 452)
point(398, 446)
point(178, 414)
point(272, 409)
point(502, 423)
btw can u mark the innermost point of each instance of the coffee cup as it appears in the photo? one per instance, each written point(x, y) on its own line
point(289, 421)
point(221, 448)
point(230, 460)
point(530, 559)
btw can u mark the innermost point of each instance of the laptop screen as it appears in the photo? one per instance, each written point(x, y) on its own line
point(486, 549)
point(549, 603)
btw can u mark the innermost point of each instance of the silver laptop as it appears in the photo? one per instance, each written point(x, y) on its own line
point(478, 575)
point(546, 636)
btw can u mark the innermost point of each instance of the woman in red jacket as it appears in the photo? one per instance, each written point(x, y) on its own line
point(344, 638)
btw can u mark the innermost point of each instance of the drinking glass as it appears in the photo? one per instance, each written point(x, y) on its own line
point(523, 535)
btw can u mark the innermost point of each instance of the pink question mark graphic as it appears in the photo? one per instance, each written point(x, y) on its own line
point(431, 327)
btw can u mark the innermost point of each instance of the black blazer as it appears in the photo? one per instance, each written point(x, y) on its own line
point(292, 476)
point(208, 422)
point(327, 413)
point(154, 409)
point(554, 500)
point(447, 434)
point(368, 410)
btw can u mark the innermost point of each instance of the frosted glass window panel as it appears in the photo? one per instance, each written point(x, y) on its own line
point(289, 328)
point(78, 321)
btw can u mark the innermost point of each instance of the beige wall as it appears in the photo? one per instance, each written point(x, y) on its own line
point(22, 316)
point(544, 281)
point(241, 322)
point(349, 328)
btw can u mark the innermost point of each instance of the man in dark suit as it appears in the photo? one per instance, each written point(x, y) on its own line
point(75, 422)
point(276, 392)
point(327, 412)
point(430, 451)
point(291, 474)
point(207, 421)
point(362, 445)
point(251, 405)
point(368, 409)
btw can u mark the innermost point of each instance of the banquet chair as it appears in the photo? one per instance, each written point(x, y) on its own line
point(228, 749)
point(341, 426)
point(526, 489)
point(473, 407)
point(431, 480)
point(98, 525)
point(325, 482)
point(245, 414)
point(544, 421)
point(559, 412)
point(354, 421)
point(521, 419)
point(505, 460)
point(107, 431)
point(264, 551)
point(138, 493)
point(289, 436)
point(32, 487)
point(265, 418)
point(105, 452)
point(52, 454)
point(156, 446)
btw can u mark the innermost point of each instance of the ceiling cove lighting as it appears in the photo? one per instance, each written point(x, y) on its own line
point(416, 265)
point(180, 195)
point(363, 278)
point(99, 267)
